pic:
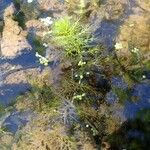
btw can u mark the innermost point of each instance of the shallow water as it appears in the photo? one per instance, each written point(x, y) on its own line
point(106, 33)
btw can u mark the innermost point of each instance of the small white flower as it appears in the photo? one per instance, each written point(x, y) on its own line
point(87, 73)
point(118, 46)
point(81, 76)
point(45, 45)
point(42, 59)
point(81, 63)
point(30, 1)
point(79, 97)
point(12, 68)
point(87, 125)
point(83, 95)
point(135, 50)
point(47, 21)
point(131, 25)
point(143, 76)
point(76, 75)
point(37, 54)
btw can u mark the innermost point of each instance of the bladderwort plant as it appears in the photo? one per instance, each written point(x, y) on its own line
point(70, 35)
point(75, 41)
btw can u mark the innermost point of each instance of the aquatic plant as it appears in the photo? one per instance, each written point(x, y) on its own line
point(94, 119)
point(78, 93)
point(42, 95)
point(47, 21)
point(130, 65)
point(71, 35)
point(42, 60)
point(50, 138)
point(81, 7)
point(30, 10)
point(38, 45)
point(1, 26)
point(123, 94)
point(67, 113)
point(20, 18)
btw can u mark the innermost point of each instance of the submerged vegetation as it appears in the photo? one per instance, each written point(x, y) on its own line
point(71, 35)
point(68, 98)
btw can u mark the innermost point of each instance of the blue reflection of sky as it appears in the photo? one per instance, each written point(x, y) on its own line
point(142, 91)
point(3, 5)
point(130, 108)
point(16, 120)
point(9, 92)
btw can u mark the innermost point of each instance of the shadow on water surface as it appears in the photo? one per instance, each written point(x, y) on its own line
point(133, 134)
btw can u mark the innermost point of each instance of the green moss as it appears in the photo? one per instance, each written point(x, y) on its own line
point(17, 4)
point(20, 18)
point(123, 94)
